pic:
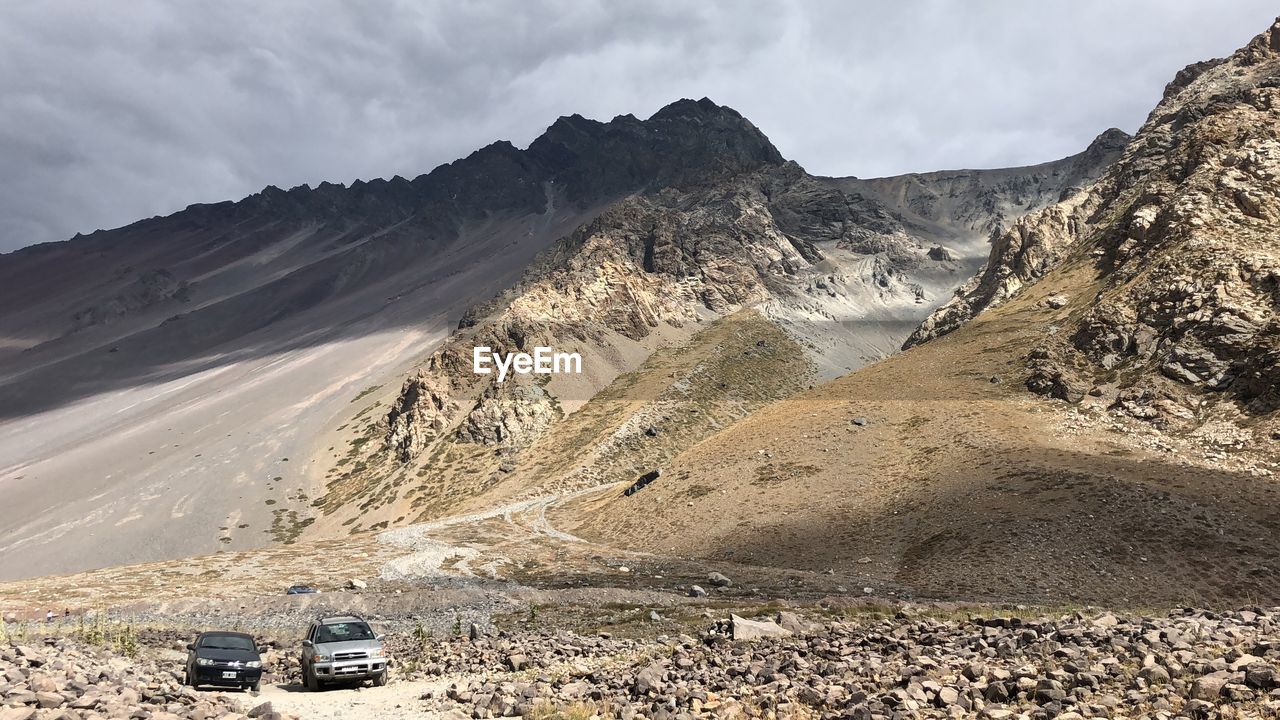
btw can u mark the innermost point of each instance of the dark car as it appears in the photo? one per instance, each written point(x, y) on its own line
point(299, 590)
point(228, 659)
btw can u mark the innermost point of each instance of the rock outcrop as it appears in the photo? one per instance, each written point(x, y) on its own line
point(147, 290)
point(1032, 244)
point(1019, 256)
point(509, 415)
point(664, 258)
point(1181, 236)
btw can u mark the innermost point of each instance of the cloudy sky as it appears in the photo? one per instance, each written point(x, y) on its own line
point(113, 111)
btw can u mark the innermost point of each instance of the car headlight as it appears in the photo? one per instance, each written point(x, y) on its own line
point(380, 652)
point(203, 661)
point(254, 664)
point(321, 658)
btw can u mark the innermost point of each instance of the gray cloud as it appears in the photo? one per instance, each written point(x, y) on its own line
point(117, 111)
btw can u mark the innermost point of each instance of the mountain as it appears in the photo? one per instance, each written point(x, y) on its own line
point(285, 253)
point(234, 374)
point(830, 273)
point(1141, 313)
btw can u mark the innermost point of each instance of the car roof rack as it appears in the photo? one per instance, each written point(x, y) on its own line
point(330, 616)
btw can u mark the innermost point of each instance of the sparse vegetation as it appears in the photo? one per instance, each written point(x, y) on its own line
point(574, 711)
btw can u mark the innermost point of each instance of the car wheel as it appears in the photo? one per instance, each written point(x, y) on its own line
point(380, 679)
point(256, 687)
point(311, 681)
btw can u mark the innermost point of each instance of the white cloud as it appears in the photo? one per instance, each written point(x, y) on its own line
point(113, 112)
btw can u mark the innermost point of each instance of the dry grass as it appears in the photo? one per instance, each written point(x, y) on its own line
point(688, 391)
point(958, 488)
point(573, 711)
point(221, 576)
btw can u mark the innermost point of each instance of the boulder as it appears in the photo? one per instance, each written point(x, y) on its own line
point(1154, 674)
point(1209, 687)
point(1049, 690)
point(642, 482)
point(1106, 620)
point(651, 679)
point(718, 580)
point(1260, 675)
point(42, 683)
point(793, 623)
point(938, 253)
point(744, 629)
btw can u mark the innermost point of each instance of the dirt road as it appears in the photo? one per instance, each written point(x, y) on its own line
point(392, 702)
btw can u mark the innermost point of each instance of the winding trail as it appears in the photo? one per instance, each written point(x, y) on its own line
point(523, 520)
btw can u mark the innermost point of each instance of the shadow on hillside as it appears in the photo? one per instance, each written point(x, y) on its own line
point(1081, 529)
point(394, 281)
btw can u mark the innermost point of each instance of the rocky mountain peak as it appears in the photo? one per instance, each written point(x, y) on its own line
point(1262, 47)
point(1108, 140)
point(686, 142)
point(704, 111)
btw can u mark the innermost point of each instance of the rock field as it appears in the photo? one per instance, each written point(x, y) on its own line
point(1190, 663)
point(912, 662)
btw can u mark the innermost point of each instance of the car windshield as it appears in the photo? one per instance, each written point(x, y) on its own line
point(226, 642)
point(342, 632)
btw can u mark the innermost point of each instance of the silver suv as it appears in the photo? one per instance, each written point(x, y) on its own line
point(342, 647)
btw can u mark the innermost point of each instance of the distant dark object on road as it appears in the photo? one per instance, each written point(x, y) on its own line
point(640, 484)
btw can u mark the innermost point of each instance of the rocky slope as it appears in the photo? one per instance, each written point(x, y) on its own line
point(978, 203)
point(1148, 301)
point(1169, 266)
point(213, 274)
point(845, 266)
